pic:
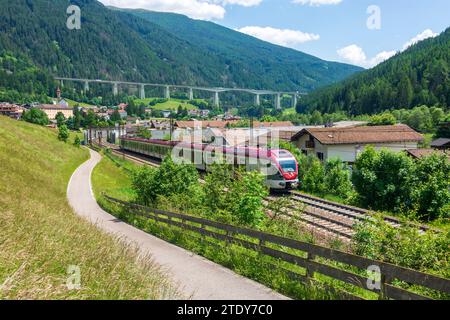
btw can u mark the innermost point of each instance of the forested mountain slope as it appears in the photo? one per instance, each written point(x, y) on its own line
point(417, 76)
point(251, 62)
point(119, 45)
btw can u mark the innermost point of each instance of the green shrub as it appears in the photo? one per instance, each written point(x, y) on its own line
point(60, 119)
point(433, 187)
point(404, 246)
point(145, 185)
point(247, 194)
point(389, 181)
point(63, 133)
point(77, 141)
point(235, 196)
point(384, 180)
point(218, 202)
point(383, 119)
point(36, 116)
point(169, 179)
point(313, 173)
point(144, 133)
point(337, 178)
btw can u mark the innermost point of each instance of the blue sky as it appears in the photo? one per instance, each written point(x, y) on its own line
point(334, 30)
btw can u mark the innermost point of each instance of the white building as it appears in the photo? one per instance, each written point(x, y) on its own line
point(166, 113)
point(346, 143)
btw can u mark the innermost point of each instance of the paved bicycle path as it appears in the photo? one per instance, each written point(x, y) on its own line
point(197, 278)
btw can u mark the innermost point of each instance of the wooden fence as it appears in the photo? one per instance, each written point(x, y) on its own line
point(316, 259)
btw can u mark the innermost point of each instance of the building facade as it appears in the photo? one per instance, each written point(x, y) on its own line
point(11, 110)
point(348, 143)
point(53, 109)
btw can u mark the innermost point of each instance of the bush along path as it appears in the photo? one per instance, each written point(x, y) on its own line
point(196, 277)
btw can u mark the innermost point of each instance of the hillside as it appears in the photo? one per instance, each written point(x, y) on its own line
point(119, 45)
point(417, 76)
point(253, 63)
point(171, 104)
point(41, 236)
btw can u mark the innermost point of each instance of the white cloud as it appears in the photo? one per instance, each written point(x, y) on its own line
point(316, 3)
point(197, 9)
point(356, 55)
point(282, 37)
point(353, 54)
point(244, 3)
point(381, 57)
point(428, 33)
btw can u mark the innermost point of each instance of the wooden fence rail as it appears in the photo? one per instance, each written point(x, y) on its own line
point(316, 259)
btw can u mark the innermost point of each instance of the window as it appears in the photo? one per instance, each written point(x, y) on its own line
point(320, 156)
point(276, 177)
point(310, 144)
point(288, 166)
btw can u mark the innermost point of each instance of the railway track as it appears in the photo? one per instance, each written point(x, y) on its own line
point(338, 218)
point(134, 158)
point(319, 221)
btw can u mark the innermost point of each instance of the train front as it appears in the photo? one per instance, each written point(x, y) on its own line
point(287, 175)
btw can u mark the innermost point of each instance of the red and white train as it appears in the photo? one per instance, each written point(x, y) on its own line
point(278, 166)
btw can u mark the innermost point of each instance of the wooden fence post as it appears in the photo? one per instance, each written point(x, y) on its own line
point(202, 237)
point(228, 234)
point(309, 272)
point(384, 279)
point(261, 243)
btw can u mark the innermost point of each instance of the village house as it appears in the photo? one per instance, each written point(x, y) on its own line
point(122, 113)
point(93, 109)
point(61, 102)
point(11, 110)
point(159, 125)
point(53, 109)
point(346, 143)
point(166, 113)
point(422, 153)
point(103, 115)
point(230, 117)
point(441, 144)
point(198, 113)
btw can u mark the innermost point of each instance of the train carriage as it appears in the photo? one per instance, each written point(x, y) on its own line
point(278, 166)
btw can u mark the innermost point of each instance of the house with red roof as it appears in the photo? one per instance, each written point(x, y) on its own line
point(346, 143)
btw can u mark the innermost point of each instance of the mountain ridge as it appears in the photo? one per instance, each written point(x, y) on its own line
point(417, 76)
point(229, 43)
point(118, 45)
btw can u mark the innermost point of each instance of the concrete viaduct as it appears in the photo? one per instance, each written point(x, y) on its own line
point(190, 89)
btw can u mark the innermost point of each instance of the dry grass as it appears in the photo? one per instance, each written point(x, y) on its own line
point(40, 235)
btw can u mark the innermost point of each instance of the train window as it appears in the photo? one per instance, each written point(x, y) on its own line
point(288, 166)
point(275, 177)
